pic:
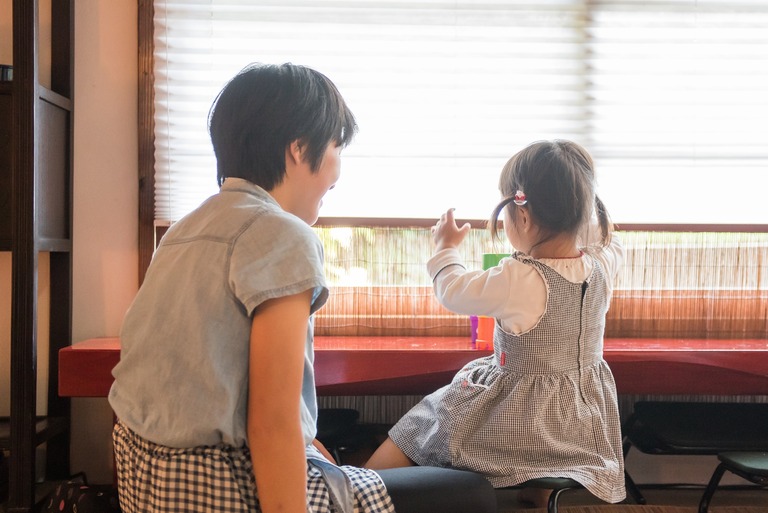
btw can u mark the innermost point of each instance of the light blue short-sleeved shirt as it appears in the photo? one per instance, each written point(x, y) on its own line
point(182, 379)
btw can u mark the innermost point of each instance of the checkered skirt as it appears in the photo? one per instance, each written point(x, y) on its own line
point(158, 479)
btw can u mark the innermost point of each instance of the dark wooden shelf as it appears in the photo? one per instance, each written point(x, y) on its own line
point(36, 129)
point(55, 245)
point(43, 491)
point(45, 429)
point(6, 87)
point(55, 99)
point(51, 245)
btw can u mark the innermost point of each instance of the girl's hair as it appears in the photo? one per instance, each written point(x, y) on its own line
point(558, 180)
point(266, 107)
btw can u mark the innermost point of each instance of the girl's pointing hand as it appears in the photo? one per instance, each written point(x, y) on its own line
point(446, 234)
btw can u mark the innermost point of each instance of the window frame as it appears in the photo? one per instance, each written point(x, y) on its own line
point(146, 139)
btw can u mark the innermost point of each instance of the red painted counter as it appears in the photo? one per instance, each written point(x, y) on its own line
point(418, 365)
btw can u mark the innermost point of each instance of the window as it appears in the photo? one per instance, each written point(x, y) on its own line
point(668, 96)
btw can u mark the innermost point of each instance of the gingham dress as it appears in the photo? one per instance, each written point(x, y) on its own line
point(157, 479)
point(544, 405)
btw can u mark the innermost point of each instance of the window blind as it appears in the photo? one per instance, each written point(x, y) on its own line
point(668, 95)
point(677, 109)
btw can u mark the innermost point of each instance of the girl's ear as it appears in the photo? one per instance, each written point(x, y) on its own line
point(524, 219)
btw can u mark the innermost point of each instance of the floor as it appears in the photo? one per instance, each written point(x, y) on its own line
point(682, 496)
point(678, 496)
point(508, 502)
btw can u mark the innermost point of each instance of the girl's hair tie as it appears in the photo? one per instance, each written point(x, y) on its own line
point(520, 198)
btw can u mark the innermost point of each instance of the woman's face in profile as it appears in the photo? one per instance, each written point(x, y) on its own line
point(321, 181)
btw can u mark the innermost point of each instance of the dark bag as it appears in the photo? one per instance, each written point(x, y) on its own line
point(76, 496)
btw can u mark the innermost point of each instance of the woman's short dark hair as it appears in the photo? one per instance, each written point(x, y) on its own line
point(263, 109)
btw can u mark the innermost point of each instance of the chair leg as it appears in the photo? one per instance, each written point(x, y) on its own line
point(626, 443)
point(633, 490)
point(553, 498)
point(711, 487)
point(336, 453)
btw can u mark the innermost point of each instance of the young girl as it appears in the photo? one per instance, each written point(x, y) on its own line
point(544, 405)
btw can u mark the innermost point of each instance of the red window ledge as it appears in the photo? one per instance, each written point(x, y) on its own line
point(419, 365)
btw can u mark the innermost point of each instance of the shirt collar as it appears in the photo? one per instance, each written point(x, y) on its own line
point(234, 184)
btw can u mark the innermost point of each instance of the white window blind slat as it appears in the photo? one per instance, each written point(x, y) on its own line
point(664, 93)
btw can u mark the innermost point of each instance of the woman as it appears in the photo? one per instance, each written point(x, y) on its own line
point(214, 392)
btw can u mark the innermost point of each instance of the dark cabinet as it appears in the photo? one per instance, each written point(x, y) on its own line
point(36, 218)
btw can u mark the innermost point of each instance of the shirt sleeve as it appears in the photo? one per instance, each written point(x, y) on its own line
point(511, 291)
point(277, 256)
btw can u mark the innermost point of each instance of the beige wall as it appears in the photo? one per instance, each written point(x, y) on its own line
point(105, 250)
point(105, 202)
point(6, 35)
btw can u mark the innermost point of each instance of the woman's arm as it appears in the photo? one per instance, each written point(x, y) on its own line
point(278, 336)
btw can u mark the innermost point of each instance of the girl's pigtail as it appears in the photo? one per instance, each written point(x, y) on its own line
point(493, 222)
point(606, 227)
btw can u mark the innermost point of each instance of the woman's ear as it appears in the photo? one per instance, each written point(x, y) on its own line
point(295, 152)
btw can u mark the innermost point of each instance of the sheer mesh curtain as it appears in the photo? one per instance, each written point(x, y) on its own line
point(668, 96)
point(674, 285)
point(381, 284)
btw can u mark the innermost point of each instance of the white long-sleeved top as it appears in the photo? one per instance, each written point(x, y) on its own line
point(513, 292)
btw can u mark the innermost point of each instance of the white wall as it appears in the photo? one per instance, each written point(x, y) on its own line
point(6, 34)
point(105, 252)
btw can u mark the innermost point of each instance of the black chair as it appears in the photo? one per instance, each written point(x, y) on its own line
point(752, 466)
point(694, 428)
point(558, 485)
point(341, 433)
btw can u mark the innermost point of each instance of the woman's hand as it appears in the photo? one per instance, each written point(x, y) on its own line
point(446, 234)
